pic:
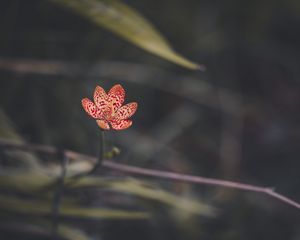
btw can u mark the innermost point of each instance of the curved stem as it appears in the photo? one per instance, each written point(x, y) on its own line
point(5, 143)
point(199, 180)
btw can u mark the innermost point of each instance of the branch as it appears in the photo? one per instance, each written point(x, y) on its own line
point(152, 172)
point(198, 180)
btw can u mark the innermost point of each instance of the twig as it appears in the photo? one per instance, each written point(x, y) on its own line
point(154, 173)
point(199, 180)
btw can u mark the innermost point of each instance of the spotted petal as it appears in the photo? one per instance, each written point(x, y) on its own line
point(126, 111)
point(103, 124)
point(91, 108)
point(100, 97)
point(121, 124)
point(116, 96)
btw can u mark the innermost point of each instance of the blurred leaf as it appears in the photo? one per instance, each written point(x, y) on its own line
point(8, 131)
point(148, 191)
point(6, 128)
point(34, 207)
point(71, 233)
point(130, 25)
point(42, 229)
point(31, 180)
point(35, 181)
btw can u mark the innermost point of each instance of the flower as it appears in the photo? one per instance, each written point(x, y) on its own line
point(107, 109)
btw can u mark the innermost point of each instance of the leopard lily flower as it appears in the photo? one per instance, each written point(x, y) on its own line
point(107, 109)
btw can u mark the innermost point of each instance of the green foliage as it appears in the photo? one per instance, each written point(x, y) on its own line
point(128, 24)
point(37, 180)
point(34, 207)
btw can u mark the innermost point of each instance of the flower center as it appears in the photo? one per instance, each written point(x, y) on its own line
point(109, 113)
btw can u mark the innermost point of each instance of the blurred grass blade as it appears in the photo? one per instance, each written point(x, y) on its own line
point(33, 181)
point(41, 229)
point(148, 191)
point(34, 207)
point(128, 24)
point(6, 128)
point(8, 131)
point(69, 232)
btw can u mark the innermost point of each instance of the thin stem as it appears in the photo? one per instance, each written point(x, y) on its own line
point(199, 180)
point(151, 172)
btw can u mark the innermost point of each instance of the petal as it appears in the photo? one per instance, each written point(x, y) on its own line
point(121, 125)
point(126, 111)
point(116, 96)
point(100, 97)
point(91, 108)
point(103, 124)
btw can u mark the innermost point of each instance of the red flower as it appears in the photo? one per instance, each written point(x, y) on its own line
point(108, 109)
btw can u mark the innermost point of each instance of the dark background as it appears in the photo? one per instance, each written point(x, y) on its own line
point(239, 120)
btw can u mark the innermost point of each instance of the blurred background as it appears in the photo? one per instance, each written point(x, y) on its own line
point(239, 120)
